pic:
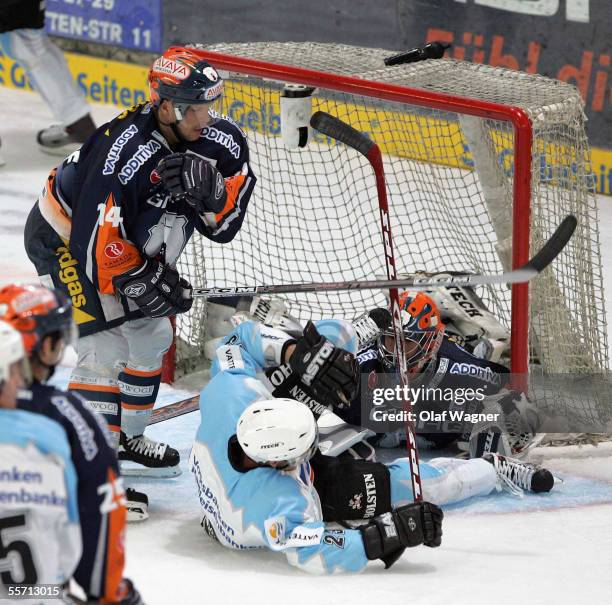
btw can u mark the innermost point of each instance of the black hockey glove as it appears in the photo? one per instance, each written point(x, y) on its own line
point(187, 176)
point(330, 372)
point(386, 536)
point(157, 289)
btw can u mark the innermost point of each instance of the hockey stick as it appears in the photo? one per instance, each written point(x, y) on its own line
point(173, 410)
point(547, 253)
point(335, 128)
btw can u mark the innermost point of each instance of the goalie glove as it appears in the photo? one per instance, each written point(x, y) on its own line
point(386, 536)
point(330, 372)
point(198, 182)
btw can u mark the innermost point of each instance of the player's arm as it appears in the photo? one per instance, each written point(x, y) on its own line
point(317, 547)
point(330, 371)
point(219, 191)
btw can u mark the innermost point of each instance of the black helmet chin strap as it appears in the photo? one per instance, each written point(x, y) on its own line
point(174, 125)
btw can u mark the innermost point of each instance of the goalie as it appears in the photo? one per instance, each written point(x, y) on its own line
point(437, 362)
point(435, 358)
point(254, 455)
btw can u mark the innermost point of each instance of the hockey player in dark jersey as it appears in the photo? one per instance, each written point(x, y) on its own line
point(111, 223)
point(44, 319)
point(435, 361)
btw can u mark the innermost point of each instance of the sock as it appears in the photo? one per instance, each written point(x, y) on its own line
point(138, 389)
point(102, 395)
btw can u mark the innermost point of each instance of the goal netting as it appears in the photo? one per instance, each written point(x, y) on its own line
point(464, 184)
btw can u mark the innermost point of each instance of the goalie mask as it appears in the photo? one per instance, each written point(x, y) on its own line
point(423, 332)
point(282, 432)
point(180, 75)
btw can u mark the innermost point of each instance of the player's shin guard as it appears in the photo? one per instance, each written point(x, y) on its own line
point(140, 454)
point(102, 395)
point(138, 394)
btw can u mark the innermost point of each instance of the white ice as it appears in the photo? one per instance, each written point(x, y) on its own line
point(543, 550)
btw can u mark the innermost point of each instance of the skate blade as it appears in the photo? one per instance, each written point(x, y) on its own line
point(133, 469)
point(136, 513)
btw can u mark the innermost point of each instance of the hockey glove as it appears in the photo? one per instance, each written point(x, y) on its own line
point(386, 536)
point(157, 289)
point(330, 372)
point(198, 182)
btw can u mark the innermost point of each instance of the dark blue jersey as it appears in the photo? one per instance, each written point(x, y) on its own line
point(99, 490)
point(453, 368)
point(115, 208)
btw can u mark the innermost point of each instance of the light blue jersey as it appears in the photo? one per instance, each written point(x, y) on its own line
point(265, 507)
point(38, 502)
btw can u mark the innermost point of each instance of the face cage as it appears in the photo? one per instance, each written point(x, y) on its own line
point(427, 343)
point(305, 457)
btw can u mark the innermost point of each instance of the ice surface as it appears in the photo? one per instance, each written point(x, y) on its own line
point(544, 550)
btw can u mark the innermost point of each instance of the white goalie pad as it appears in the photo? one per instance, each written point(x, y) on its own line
point(272, 312)
point(337, 436)
point(514, 433)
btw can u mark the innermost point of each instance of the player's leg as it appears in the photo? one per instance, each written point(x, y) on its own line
point(451, 480)
point(101, 357)
point(44, 64)
point(148, 340)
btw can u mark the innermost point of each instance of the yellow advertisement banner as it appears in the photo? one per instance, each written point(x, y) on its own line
point(416, 136)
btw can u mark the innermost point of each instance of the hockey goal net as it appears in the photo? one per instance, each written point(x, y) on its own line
point(481, 164)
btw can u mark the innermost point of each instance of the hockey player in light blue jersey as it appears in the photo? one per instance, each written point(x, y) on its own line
point(38, 507)
point(254, 472)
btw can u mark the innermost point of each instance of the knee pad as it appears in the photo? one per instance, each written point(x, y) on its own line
point(102, 354)
point(351, 489)
point(149, 339)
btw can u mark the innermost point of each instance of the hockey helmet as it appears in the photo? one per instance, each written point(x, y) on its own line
point(36, 312)
point(11, 349)
point(183, 77)
point(278, 431)
point(423, 332)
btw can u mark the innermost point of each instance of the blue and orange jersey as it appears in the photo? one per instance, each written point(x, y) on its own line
point(100, 493)
point(107, 199)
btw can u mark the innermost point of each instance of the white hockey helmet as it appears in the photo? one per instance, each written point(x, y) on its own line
point(278, 430)
point(11, 349)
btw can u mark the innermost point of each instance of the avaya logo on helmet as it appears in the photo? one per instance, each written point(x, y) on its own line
point(171, 67)
point(214, 91)
point(114, 250)
point(135, 290)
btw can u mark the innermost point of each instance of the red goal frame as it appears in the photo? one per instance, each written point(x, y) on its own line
point(523, 140)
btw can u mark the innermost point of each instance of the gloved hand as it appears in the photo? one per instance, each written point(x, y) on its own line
point(198, 182)
point(157, 289)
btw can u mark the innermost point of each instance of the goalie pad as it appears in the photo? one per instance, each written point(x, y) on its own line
point(513, 434)
point(338, 437)
point(272, 312)
point(467, 318)
point(351, 490)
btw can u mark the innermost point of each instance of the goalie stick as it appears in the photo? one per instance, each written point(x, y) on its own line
point(547, 253)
